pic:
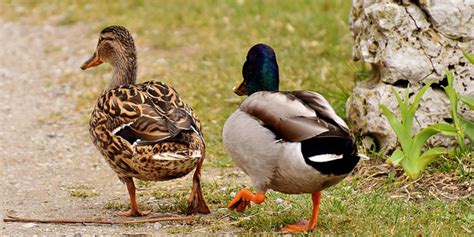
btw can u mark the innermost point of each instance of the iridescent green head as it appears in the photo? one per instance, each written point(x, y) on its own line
point(260, 71)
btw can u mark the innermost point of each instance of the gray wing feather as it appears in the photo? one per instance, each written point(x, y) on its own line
point(322, 107)
point(287, 115)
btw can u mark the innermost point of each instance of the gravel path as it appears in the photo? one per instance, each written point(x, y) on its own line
point(42, 160)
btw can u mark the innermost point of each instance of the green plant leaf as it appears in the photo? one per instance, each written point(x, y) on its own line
point(402, 104)
point(468, 128)
point(446, 129)
point(453, 98)
point(467, 100)
point(429, 155)
point(415, 165)
point(402, 133)
point(468, 56)
point(416, 101)
point(412, 167)
point(408, 121)
point(425, 134)
point(396, 156)
point(450, 77)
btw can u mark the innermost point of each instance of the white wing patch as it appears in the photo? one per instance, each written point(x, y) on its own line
point(177, 156)
point(115, 131)
point(325, 158)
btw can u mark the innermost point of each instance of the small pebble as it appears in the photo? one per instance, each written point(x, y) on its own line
point(30, 225)
point(157, 225)
point(279, 201)
point(232, 194)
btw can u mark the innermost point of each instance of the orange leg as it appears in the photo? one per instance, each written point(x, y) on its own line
point(196, 202)
point(133, 202)
point(243, 198)
point(316, 196)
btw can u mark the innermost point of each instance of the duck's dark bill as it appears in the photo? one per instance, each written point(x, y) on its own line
point(92, 62)
point(241, 89)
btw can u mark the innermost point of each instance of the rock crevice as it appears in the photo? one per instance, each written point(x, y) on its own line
point(407, 44)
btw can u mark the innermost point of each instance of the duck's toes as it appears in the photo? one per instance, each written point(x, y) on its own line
point(301, 226)
point(243, 198)
point(242, 205)
point(133, 213)
point(239, 204)
point(196, 203)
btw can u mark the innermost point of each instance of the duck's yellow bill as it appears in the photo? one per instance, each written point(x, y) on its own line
point(241, 89)
point(92, 62)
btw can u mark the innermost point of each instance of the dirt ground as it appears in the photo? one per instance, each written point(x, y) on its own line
point(41, 160)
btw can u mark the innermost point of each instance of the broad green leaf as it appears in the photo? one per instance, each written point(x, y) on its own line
point(428, 156)
point(416, 101)
point(453, 101)
point(468, 128)
point(402, 133)
point(396, 156)
point(453, 98)
point(415, 165)
point(411, 167)
point(467, 100)
point(433, 153)
point(450, 77)
point(468, 56)
point(445, 128)
point(420, 138)
point(401, 103)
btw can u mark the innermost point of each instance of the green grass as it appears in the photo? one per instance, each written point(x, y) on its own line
point(199, 48)
point(81, 191)
point(344, 210)
point(202, 46)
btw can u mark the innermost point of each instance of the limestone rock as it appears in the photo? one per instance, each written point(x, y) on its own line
point(407, 44)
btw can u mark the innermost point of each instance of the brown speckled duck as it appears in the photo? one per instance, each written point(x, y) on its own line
point(144, 131)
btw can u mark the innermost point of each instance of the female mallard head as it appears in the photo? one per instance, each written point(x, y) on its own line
point(260, 71)
point(116, 47)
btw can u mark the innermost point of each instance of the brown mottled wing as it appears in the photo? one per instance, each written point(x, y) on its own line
point(149, 112)
point(286, 115)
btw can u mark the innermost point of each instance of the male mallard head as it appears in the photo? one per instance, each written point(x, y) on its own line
point(116, 47)
point(260, 71)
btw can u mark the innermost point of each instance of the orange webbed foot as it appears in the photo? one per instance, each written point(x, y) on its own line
point(133, 213)
point(243, 199)
point(301, 226)
point(307, 225)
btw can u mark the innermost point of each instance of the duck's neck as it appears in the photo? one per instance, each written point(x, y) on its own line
point(124, 73)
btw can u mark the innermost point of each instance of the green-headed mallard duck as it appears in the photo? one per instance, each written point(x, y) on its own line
point(144, 131)
point(288, 141)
